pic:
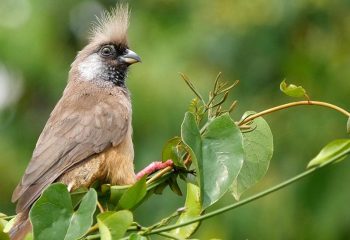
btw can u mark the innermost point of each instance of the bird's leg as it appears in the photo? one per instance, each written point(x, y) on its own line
point(153, 167)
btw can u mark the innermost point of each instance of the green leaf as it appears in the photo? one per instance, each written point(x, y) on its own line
point(292, 90)
point(9, 225)
point(335, 150)
point(174, 186)
point(258, 150)
point(172, 151)
point(218, 155)
point(191, 136)
point(160, 188)
point(113, 225)
point(53, 216)
point(82, 219)
point(193, 209)
point(222, 157)
point(133, 195)
point(78, 195)
point(3, 223)
point(116, 192)
point(348, 126)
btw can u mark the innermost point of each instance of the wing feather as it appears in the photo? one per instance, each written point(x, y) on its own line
point(71, 135)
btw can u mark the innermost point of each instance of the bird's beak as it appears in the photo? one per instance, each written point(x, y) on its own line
point(130, 57)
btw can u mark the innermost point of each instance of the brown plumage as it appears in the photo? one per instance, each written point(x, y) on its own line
point(88, 134)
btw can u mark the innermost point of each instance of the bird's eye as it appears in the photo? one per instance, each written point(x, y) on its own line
point(106, 51)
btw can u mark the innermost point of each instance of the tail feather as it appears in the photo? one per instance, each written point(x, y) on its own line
point(21, 227)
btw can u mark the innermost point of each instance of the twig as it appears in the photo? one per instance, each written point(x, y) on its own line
point(229, 87)
point(159, 174)
point(158, 181)
point(7, 217)
point(247, 200)
point(92, 229)
point(188, 82)
point(162, 222)
point(221, 101)
point(95, 236)
point(233, 105)
point(293, 104)
point(168, 235)
point(100, 207)
point(217, 81)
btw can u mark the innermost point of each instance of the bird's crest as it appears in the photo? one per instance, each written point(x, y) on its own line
point(112, 26)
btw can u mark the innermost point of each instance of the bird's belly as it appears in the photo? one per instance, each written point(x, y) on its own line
point(118, 163)
point(114, 166)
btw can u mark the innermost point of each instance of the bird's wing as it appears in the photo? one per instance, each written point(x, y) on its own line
point(71, 135)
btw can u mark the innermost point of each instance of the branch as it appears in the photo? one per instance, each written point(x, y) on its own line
point(294, 104)
point(190, 85)
point(247, 200)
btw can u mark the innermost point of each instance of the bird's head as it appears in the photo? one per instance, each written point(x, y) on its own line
point(105, 60)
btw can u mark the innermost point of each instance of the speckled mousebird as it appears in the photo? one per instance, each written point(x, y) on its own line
point(88, 134)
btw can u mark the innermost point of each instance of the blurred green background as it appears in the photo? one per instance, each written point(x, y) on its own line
point(259, 42)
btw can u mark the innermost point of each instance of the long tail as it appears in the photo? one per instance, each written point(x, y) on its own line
point(21, 227)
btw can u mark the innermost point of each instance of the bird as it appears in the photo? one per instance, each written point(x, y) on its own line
point(88, 136)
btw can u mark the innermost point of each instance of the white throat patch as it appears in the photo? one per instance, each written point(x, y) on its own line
point(91, 67)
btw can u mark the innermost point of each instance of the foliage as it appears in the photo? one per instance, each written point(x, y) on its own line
point(214, 154)
point(3, 223)
point(53, 215)
point(113, 225)
point(335, 150)
point(258, 149)
point(217, 155)
point(292, 90)
point(192, 209)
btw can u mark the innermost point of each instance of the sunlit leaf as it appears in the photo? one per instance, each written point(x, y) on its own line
point(335, 150)
point(3, 223)
point(53, 216)
point(9, 225)
point(113, 225)
point(133, 195)
point(218, 155)
point(192, 210)
point(348, 125)
point(292, 90)
point(258, 150)
point(172, 151)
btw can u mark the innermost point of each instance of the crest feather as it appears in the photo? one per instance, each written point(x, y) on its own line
point(111, 26)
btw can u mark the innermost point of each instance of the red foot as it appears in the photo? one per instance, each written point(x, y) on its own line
point(154, 166)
